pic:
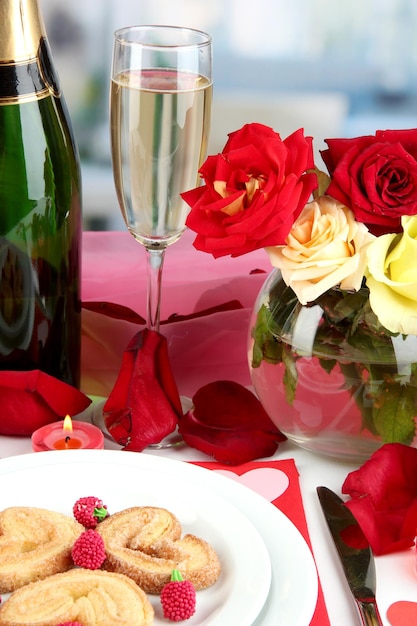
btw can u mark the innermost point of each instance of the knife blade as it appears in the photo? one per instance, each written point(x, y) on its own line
point(358, 564)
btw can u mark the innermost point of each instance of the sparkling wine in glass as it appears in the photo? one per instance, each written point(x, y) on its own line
point(160, 105)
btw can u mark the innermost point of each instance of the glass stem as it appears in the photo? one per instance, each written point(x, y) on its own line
point(155, 262)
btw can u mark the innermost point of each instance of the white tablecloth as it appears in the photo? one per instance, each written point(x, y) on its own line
point(114, 270)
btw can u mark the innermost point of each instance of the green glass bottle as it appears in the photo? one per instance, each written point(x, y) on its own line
point(40, 205)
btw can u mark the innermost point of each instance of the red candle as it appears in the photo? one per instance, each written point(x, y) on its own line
point(67, 435)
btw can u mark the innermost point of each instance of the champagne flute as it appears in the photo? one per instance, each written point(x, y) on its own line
point(160, 105)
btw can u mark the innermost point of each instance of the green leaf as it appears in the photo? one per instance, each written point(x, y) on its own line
point(328, 364)
point(291, 375)
point(394, 413)
point(272, 323)
point(323, 180)
point(413, 375)
point(266, 347)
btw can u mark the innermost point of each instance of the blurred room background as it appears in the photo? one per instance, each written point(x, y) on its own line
point(333, 68)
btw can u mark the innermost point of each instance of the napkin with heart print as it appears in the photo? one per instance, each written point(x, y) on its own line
point(278, 482)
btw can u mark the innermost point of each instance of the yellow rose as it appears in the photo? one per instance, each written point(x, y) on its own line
point(392, 278)
point(325, 248)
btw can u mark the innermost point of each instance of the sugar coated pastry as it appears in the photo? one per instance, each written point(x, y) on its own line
point(34, 543)
point(145, 543)
point(92, 598)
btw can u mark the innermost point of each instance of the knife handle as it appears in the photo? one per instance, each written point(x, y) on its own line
point(369, 613)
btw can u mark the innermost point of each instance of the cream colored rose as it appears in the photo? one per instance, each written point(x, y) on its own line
point(392, 278)
point(325, 248)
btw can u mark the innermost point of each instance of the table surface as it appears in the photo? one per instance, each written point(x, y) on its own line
point(114, 270)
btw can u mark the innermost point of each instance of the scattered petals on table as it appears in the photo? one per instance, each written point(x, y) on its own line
point(144, 405)
point(229, 423)
point(383, 495)
point(31, 399)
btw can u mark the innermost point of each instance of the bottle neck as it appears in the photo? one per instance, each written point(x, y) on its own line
point(21, 30)
point(26, 70)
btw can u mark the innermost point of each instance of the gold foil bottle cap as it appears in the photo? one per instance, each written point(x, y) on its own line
point(21, 30)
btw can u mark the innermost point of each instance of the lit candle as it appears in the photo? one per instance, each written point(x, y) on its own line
point(67, 435)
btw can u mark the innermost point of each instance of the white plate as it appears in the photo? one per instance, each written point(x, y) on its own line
point(56, 481)
point(294, 587)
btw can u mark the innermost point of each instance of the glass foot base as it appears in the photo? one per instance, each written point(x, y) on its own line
point(173, 440)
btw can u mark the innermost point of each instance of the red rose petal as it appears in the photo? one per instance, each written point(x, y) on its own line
point(229, 423)
point(383, 495)
point(29, 400)
point(381, 528)
point(116, 311)
point(144, 405)
point(231, 448)
point(226, 404)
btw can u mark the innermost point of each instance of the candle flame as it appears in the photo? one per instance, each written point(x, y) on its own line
point(67, 427)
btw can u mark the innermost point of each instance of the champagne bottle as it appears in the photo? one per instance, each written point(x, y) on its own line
point(40, 205)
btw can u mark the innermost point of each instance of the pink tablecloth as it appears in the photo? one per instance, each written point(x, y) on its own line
point(203, 349)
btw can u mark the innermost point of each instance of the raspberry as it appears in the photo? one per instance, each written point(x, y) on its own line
point(178, 598)
point(89, 511)
point(89, 551)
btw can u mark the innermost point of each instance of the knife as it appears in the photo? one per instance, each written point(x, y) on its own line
point(358, 564)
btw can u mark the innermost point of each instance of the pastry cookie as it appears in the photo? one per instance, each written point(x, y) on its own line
point(145, 543)
point(93, 598)
point(34, 543)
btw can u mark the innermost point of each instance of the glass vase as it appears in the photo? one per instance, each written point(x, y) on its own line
point(330, 377)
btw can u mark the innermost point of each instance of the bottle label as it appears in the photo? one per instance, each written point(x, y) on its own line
point(28, 80)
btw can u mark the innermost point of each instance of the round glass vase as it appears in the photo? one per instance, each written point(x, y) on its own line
point(330, 377)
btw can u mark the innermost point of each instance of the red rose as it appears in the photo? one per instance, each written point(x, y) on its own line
point(253, 192)
point(229, 424)
point(384, 497)
point(376, 176)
